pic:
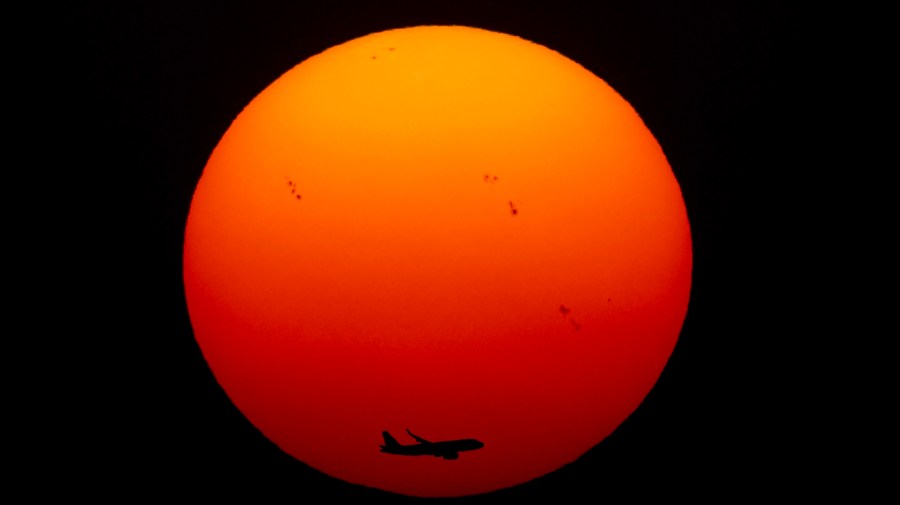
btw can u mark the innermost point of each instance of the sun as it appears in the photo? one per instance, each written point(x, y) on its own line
point(441, 231)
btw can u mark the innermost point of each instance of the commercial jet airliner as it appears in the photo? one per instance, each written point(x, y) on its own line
point(448, 449)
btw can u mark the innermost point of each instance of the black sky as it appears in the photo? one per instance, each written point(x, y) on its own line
point(720, 84)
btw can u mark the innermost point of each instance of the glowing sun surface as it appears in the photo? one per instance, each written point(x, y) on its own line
point(445, 229)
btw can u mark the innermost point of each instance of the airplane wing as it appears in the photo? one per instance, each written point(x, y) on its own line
point(418, 439)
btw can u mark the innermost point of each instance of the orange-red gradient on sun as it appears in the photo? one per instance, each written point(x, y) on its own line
point(444, 229)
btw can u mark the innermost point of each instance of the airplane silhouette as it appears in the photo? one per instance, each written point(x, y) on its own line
point(449, 449)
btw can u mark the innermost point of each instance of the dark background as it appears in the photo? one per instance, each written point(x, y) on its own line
point(723, 86)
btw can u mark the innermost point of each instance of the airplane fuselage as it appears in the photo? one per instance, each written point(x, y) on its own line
point(449, 449)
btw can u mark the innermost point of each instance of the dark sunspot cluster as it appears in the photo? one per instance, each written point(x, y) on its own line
point(293, 185)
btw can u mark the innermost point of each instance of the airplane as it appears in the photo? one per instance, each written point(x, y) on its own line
point(449, 449)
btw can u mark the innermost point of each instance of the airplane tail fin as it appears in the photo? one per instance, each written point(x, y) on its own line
point(389, 441)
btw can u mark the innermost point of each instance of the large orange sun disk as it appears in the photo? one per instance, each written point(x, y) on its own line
point(445, 229)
